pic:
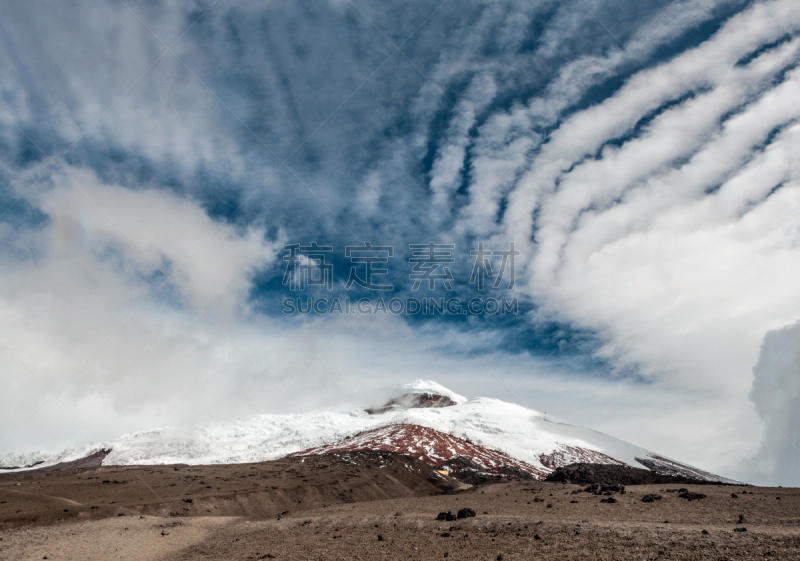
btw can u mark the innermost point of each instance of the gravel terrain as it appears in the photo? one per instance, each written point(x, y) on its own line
point(379, 506)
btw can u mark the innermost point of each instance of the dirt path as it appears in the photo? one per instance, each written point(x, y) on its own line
point(125, 538)
point(68, 501)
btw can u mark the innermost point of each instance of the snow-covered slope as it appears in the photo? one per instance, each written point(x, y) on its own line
point(431, 387)
point(540, 441)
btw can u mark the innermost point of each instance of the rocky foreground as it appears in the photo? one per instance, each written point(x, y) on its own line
point(381, 506)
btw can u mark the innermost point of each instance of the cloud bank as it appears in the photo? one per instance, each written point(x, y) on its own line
point(156, 156)
point(776, 393)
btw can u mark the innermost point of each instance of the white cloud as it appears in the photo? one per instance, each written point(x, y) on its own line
point(78, 312)
point(668, 246)
point(156, 232)
point(85, 308)
point(776, 394)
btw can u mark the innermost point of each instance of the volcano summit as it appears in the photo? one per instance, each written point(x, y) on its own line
point(480, 437)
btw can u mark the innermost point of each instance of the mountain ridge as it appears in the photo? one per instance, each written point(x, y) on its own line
point(423, 420)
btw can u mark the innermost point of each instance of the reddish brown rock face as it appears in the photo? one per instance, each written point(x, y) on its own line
point(437, 448)
point(433, 447)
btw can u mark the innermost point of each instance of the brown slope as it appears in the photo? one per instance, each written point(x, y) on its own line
point(260, 490)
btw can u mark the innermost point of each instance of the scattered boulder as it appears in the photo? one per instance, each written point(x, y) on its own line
point(734, 496)
point(741, 519)
point(448, 516)
point(601, 489)
point(740, 529)
point(466, 513)
point(651, 497)
point(691, 496)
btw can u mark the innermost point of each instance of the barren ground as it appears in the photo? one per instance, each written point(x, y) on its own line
point(374, 507)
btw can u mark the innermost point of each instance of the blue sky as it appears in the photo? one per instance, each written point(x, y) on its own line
point(156, 157)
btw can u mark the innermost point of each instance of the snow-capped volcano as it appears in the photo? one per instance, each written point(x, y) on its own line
point(424, 420)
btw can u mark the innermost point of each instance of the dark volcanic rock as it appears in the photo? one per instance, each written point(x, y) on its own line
point(610, 474)
point(21, 467)
point(90, 461)
point(466, 513)
point(651, 497)
point(690, 496)
point(413, 401)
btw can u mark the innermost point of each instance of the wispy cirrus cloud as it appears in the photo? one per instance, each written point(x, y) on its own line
point(640, 154)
